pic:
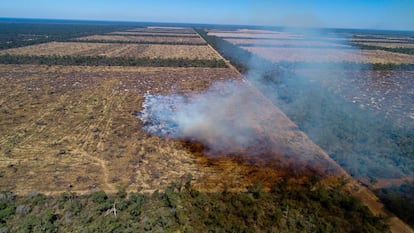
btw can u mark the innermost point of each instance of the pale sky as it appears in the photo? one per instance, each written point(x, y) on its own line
point(372, 14)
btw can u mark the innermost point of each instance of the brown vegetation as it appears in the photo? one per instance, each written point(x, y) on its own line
point(150, 33)
point(74, 128)
point(116, 50)
point(159, 39)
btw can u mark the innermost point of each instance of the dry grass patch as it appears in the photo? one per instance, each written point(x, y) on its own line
point(60, 48)
point(128, 33)
point(158, 39)
point(171, 51)
point(74, 129)
point(117, 50)
point(163, 30)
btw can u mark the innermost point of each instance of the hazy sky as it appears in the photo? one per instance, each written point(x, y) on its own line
point(379, 14)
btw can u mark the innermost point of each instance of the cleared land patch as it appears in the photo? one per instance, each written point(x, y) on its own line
point(58, 120)
point(116, 50)
point(144, 39)
point(181, 30)
point(74, 129)
point(165, 34)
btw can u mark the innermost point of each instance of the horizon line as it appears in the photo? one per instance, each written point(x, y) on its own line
point(197, 23)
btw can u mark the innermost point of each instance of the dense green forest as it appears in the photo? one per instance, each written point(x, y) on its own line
point(18, 34)
point(289, 207)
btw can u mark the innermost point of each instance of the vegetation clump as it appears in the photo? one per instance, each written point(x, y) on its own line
point(289, 207)
point(110, 61)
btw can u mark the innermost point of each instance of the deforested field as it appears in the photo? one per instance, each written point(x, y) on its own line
point(70, 128)
point(144, 39)
point(116, 50)
point(153, 34)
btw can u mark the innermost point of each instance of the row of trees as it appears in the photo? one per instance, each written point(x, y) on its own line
point(287, 208)
point(110, 61)
point(13, 34)
point(403, 50)
point(240, 58)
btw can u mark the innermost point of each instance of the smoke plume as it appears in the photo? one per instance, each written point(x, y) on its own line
point(222, 118)
point(305, 79)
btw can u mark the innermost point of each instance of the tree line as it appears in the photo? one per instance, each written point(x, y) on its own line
point(307, 207)
point(110, 61)
point(403, 50)
point(13, 35)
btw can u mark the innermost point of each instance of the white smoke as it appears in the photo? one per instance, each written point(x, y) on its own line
point(222, 118)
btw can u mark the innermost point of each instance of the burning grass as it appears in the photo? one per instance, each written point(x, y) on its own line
point(231, 118)
point(102, 138)
point(60, 48)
